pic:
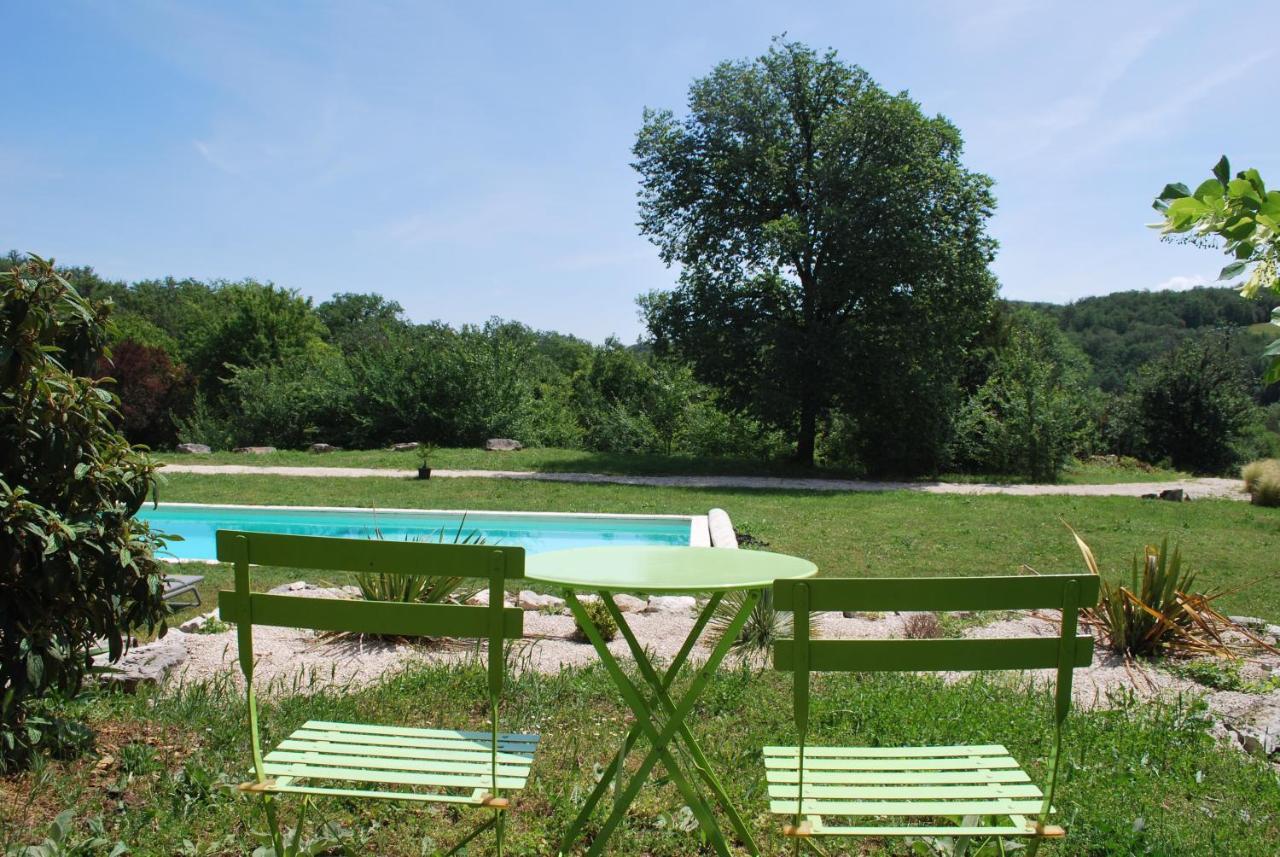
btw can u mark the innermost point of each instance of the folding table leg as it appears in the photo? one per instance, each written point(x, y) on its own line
point(660, 740)
point(700, 763)
point(612, 773)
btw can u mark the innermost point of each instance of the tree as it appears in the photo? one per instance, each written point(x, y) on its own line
point(1028, 417)
point(1243, 217)
point(255, 325)
point(823, 227)
point(77, 566)
point(1191, 406)
point(350, 316)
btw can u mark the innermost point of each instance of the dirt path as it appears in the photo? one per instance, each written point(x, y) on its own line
point(1194, 488)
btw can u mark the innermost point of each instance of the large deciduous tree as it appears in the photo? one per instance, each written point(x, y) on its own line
point(832, 248)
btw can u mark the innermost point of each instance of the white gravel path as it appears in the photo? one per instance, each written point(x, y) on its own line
point(1194, 488)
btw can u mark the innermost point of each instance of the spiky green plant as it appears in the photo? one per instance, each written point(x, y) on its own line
point(420, 588)
point(1159, 612)
point(765, 625)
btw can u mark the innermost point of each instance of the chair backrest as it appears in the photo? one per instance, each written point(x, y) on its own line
point(802, 654)
point(495, 622)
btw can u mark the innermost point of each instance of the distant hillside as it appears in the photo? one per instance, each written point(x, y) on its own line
point(1123, 330)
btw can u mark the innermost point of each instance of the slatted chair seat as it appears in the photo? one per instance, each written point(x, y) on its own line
point(431, 765)
point(969, 793)
point(888, 784)
point(360, 760)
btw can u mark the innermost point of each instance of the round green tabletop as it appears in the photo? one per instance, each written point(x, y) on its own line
point(664, 569)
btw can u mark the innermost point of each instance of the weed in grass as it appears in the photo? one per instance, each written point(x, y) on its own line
point(61, 839)
point(922, 626)
point(1222, 674)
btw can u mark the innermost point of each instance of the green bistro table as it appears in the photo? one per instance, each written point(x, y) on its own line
point(659, 718)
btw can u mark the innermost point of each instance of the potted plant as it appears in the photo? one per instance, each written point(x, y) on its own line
point(424, 460)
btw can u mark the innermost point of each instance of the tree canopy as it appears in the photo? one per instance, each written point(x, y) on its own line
point(832, 247)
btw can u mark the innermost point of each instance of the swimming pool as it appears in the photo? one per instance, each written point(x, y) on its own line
point(536, 532)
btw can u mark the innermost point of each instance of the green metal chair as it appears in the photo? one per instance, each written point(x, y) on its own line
point(355, 760)
point(965, 792)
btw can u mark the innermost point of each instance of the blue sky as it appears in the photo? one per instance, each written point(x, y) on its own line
point(471, 160)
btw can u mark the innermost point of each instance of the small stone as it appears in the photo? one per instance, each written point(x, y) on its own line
point(671, 604)
point(1251, 622)
point(322, 447)
point(503, 444)
point(254, 450)
point(195, 623)
point(530, 600)
point(404, 447)
point(193, 449)
point(629, 603)
point(1173, 495)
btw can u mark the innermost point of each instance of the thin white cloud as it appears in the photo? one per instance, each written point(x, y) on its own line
point(1180, 283)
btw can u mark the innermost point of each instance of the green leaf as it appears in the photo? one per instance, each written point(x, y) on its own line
point(1255, 178)
point(1233, 270)
point(1239, 229)
point(35, 670)
point(1243, 189)
point(1209, 189)
point(1222, 170)
point(1174, 191)
point(1271, 205)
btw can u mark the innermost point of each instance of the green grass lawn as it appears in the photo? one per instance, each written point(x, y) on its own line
point(898, 533)
point(552, 460)
point(1141, 778)
point(1138, 779)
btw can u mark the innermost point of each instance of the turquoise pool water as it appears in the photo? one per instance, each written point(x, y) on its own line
point(535, 533)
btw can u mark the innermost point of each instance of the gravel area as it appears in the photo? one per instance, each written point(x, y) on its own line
point(1194, 488)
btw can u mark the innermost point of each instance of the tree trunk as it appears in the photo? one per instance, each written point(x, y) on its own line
point(808, 432)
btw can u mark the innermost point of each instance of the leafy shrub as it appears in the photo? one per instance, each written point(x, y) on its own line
point(603, 619)
point(1030, 415)
point(294, 404)
point(203, 425)
point(151, 390)
point(77, 566)
point(1191, 406)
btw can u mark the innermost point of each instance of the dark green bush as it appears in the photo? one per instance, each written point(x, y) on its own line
point(76, 565)
point(1191, 407)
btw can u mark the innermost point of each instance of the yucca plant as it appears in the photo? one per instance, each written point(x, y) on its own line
point(765, 625)
point(420, 588)
point(1159, 612)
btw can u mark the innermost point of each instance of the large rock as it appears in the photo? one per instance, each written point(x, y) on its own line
point(481, 599)
point(629, 603)
point(503, 444)
point(671, 604)
point(254, 450)
point(322, 447)
point(530, 600)
point(408, 446)
point(193, 449)
point(148, 664)
point(1257, 727)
